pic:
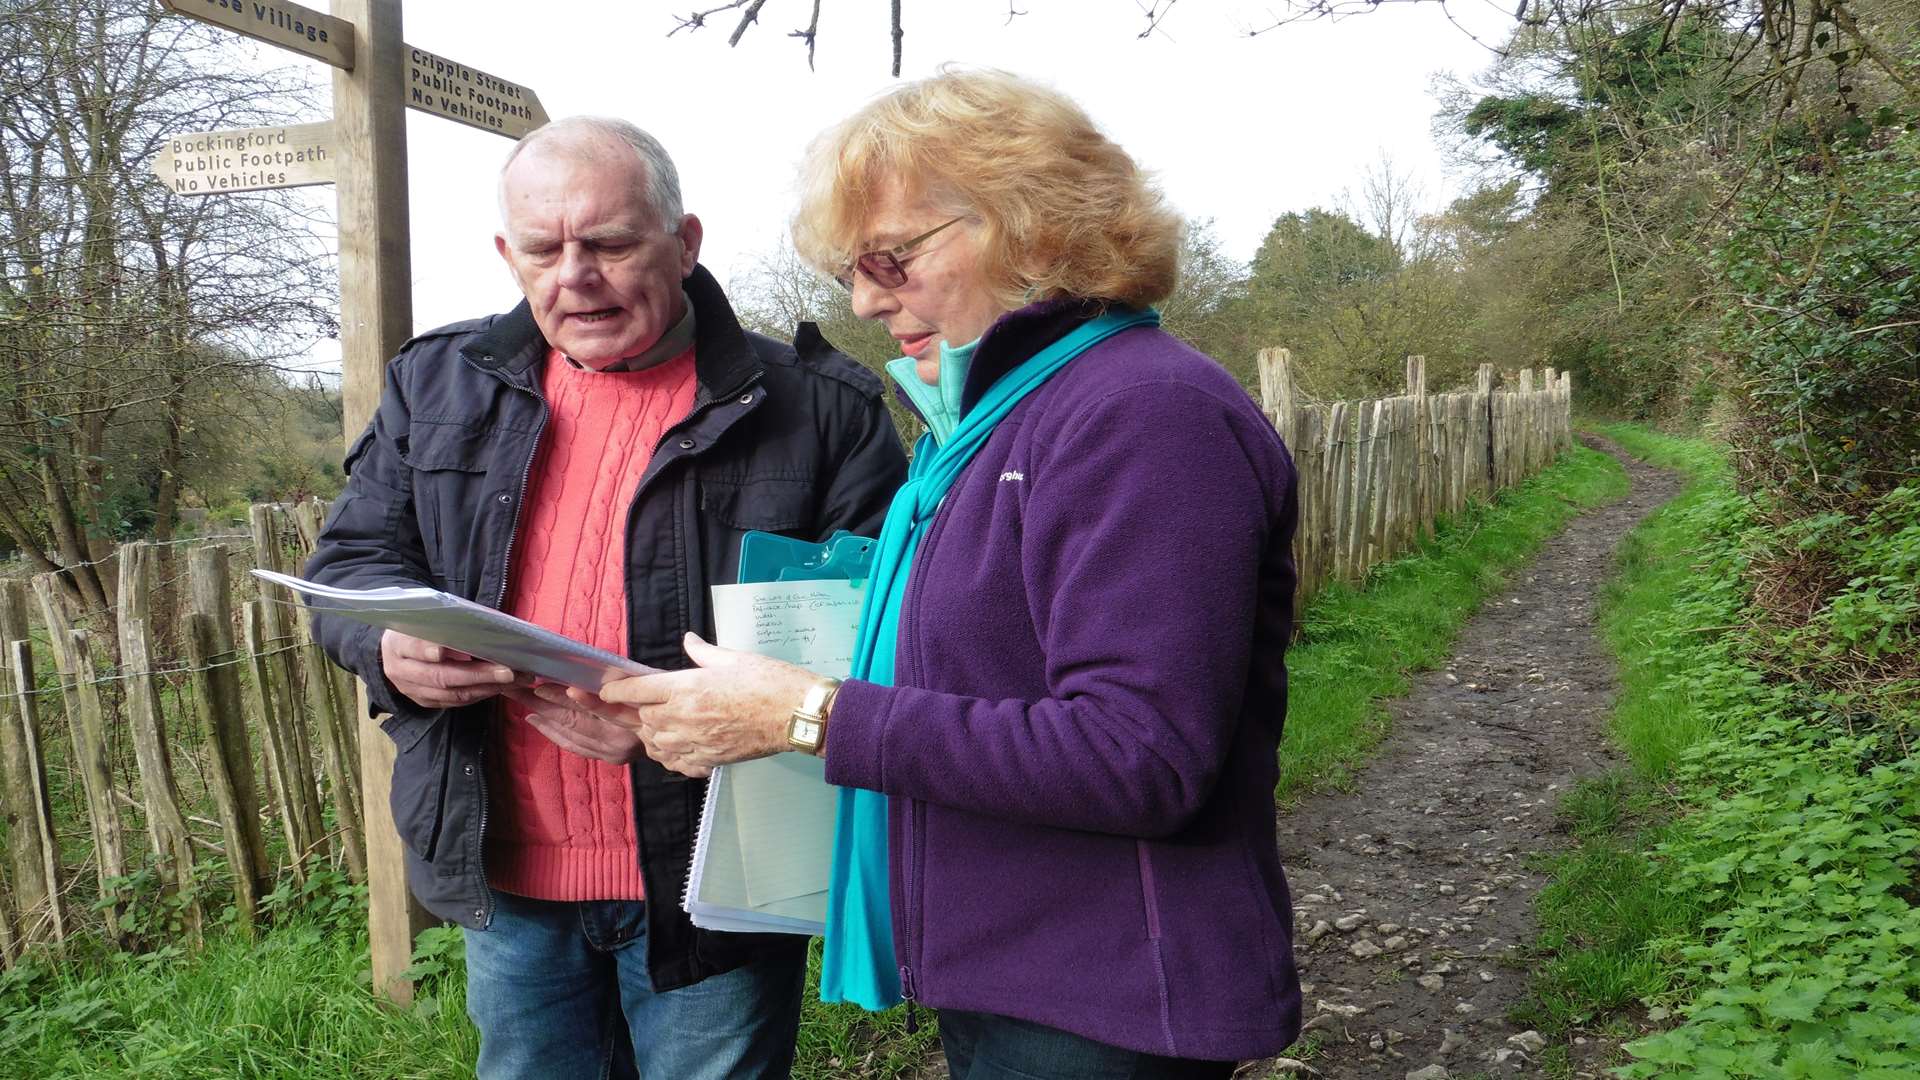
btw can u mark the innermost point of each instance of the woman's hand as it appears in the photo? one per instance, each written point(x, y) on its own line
point(733, 707)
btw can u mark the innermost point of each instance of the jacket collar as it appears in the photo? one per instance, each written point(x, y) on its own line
point(1017, 336)
point(723, 357)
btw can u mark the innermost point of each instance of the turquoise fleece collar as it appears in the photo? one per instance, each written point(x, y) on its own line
point(939, 405)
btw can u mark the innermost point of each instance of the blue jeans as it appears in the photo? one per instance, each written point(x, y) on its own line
point(981, 1046)
point(560, 990)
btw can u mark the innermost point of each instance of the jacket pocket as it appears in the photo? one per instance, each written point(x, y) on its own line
point(433, 446)
point(1149, 894)
point(449, 464)
point(419, 792)
point(766, 505)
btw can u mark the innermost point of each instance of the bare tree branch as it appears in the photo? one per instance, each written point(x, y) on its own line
point(808, 35)
point(1155, 12)
point(698, 19)
point(898, 34)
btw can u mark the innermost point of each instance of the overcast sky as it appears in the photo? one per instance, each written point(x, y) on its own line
point(1239, 129)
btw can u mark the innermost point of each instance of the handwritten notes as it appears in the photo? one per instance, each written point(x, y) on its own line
point(765, 846)
point(810, 623)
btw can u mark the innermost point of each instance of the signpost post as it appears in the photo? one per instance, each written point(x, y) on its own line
point(363, 153)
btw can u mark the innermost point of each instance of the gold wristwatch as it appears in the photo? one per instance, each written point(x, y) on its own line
point(807, 726)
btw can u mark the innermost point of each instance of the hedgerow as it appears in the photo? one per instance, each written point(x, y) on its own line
point(1799, 838)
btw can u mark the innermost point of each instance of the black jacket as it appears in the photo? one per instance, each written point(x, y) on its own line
point(789, 439)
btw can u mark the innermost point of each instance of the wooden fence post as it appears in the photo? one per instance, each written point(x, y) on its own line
point(1529, 450)
point(1277, 391)
point(165, 824)
point(1310, 464)
point(30, 889)
point(1359, 557)
point(87, 723)
point(217, 700)
point(291, 792)
point(217, 685)
point(1340, 472)
point(1483, 421)
point(284, 674)
point(1383, 486)
point(29, 810)
point(337, 750)
point(1422, 445)
point(309, 516)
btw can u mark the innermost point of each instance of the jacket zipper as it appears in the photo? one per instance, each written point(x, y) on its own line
point(908, 992)
point(910, 829)
point(499, 604)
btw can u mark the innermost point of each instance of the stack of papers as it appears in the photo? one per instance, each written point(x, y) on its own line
point(474, 629)
point(764, 851)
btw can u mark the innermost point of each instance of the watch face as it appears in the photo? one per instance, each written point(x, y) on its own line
point(804, 733)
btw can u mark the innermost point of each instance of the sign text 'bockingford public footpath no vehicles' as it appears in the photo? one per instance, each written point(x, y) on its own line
point(247, 159)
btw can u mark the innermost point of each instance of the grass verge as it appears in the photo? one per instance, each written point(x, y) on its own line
point(297, 1005)
point(1358, 645)
point(1751, 880)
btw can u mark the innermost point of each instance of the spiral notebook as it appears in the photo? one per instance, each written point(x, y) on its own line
point(764, 850)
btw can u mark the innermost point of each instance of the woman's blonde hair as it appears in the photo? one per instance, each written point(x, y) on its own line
point(1063, 211)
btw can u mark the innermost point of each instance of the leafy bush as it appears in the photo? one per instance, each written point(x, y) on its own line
point(1825, 334)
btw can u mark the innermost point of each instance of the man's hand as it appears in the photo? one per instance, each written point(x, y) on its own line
point(436, 677)
point(581, 723)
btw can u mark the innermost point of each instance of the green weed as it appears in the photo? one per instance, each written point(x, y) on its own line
point(1756, 869)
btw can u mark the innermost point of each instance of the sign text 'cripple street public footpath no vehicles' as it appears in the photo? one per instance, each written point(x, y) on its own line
point(249, 159)
point(444, 88)
point(277, 22)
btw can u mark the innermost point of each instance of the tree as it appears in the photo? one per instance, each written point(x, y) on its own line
point(1202, 310)
point(780, 291)
point(130, 317)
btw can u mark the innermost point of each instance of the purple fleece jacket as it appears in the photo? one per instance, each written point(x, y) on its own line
point(1080, 750)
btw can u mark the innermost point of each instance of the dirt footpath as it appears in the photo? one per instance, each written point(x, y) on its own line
point(1413, 895)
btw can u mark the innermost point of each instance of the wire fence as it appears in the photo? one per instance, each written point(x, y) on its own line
point(199, 717)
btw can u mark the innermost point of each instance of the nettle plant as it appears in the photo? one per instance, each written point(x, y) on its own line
point(1803, 842)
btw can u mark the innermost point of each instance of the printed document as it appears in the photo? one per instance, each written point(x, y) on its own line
point(474, 629)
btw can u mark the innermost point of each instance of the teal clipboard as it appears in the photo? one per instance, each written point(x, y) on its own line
point(768, 556)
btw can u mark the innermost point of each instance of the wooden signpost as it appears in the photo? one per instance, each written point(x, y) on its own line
point(289, 26)
point(439, 86)
point(250, 159)
point(363, 152)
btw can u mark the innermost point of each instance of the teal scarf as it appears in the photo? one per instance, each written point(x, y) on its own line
point(858, 964)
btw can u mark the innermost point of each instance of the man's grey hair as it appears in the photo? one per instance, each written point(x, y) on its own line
point(580, 138)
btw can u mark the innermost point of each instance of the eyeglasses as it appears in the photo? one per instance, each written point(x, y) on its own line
point(883, 268)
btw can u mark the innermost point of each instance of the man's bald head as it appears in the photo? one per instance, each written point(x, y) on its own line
point(604, 141)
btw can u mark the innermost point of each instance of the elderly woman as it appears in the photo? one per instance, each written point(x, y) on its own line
point(1061, 731)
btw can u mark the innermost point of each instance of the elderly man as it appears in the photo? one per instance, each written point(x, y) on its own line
point(589, 461)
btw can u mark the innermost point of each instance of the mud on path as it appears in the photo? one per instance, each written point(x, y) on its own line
point(1412, 894)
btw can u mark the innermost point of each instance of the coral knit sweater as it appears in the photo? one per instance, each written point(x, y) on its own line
point(563, 825)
